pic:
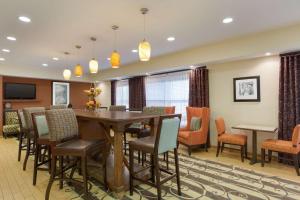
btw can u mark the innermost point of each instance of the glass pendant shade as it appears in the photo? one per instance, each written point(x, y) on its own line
point(78, 71)
point(67, 74)
point(93, 65)
point(115, 59)
point(144, 50)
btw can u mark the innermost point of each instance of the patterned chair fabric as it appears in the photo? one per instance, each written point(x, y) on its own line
point(58, 107)
point(117, 108)
point(62, 124)
point(11, 122)
point(22, 119)
point(28, 115)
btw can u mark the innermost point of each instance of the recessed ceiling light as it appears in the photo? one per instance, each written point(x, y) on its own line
point(24, 19)
point(147, 74)
point(227, 20)
point(192, 66)
point(11, 38)
point(45, 65)
point(171, 39)
point(55, 58)
point(2, 59)
point(108, 59)
point(268, 54)
point(134, 50)
point(6, 50)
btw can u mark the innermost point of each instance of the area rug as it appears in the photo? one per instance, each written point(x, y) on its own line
point(205, 179)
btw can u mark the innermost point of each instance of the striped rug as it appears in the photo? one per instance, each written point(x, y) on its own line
point(205, 179)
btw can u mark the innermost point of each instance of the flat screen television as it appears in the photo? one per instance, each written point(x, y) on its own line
point(19, 91)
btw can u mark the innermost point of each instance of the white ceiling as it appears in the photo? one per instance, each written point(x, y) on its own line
point(58, 25)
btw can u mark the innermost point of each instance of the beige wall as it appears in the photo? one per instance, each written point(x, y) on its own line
point(105, 96)
point(221, 95)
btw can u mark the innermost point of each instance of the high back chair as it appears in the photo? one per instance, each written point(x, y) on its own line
point(117, 108)
point(225, 138)
point(58, 107)
point(291, 147)
point(29, 131)
point(22, 135)
point(164, 141)
point(11, 123)
point(64, 142)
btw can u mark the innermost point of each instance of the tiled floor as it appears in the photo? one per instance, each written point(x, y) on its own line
point(17, 184)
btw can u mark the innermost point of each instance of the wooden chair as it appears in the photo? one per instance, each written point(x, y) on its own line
point(164, 141)
point(225, 138)
point(22, 135)
point(282, 146)
point(65, 142)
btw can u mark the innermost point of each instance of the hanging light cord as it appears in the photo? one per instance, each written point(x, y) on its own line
point(144, 26)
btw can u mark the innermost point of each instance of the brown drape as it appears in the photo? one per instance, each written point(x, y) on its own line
point(199, 92)
point(289, 96)
point(113, 92)
point(137, 94)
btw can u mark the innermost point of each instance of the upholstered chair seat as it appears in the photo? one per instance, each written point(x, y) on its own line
point(11, 124)
point(232, 138)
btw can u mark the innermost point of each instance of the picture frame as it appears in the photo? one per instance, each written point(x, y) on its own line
point(60, 93)
point(246, 89)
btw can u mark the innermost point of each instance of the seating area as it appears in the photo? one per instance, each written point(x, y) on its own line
point(142, 100)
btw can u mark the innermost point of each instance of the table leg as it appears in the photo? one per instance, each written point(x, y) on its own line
point(254, 148)
point(118, 161)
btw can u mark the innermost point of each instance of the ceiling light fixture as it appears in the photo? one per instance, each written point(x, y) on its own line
point(45, 65)
point(144, 46)
point(227, 20)
point(24, 19)
point(108, 59)
point(2, 59)
point(67, 73)
point(93, 64)
point(134, 50)
point(115, 58)
point(55, 58)
point(6, 50)
point(78, 71)
point(171, 39)
point(268, 54)
point(11, 38)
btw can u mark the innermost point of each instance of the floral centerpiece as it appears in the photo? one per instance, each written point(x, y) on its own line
point(92, 93)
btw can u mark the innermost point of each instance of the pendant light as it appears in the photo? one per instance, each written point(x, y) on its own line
point(144, 46)
point(67, 73)
point(93, 64)
point(115, 58)
point(78, 71)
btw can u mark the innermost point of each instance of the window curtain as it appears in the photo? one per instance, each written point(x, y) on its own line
point(113, 92)
point(171, 89)
point(289, 96)
point(122, 93)
point(137, 95)
point(199, 92)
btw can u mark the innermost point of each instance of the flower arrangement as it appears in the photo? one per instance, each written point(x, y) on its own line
point(92, 93)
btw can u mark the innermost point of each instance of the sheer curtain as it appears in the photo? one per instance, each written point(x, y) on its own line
point(122, 93)
point(171, 89)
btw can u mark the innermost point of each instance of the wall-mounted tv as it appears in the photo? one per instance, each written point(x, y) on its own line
point(19, 91)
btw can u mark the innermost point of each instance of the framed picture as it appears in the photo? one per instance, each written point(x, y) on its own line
point(60, 93)
point(246, 89)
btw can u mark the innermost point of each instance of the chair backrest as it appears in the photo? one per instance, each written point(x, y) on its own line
point(220, 125)
point(40, 125)
point(117, 108)
point(203, 113)
point(167, 134)
point(62, 124)
point(296, 136)
point(58, 107)
point(22, 121)
point(170, 110)
point(11, 117)
point(154, 110)
point(28, 117)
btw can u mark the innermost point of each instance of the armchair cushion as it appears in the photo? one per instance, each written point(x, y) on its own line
point(280, 146)
point(195, 123)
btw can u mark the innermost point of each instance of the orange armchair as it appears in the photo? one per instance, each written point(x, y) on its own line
point(193, 139)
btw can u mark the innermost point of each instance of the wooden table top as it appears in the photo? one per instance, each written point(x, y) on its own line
point(253, 127)
point(113, 116)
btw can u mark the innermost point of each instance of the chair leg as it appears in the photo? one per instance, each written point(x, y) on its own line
point(152, 169)
point(177, 171)
point(296, 163)
point(269, 155)
point(263, 155)
point(246, 151)
point(84, 174)
point(27, 153)
point(167, 160)
point(190, 150)
point(61, 171)
point(242, 153)
point(36, 156)
point(20, 145)
point(125, 143)
point(157, 176)
point(205, 146)
point(51, 180)
point(218, 149)
point(222, 148)
point(131, 166)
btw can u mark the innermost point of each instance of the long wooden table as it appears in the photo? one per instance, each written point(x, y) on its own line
point(98, 125)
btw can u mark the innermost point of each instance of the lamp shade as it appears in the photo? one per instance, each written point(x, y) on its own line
point(144, 50)
point(93, 65)
point(115, 59)
point(67, 74)
point(78, 71)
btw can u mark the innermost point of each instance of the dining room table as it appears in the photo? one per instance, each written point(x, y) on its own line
point(254, 130)
point(111, 125)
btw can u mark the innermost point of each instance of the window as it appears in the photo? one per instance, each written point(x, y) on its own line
point(170, 89)
point(122, 93)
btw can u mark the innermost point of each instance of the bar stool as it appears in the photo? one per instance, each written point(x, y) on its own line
point(165, 140)
point(65, 141)
point(22, 135)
